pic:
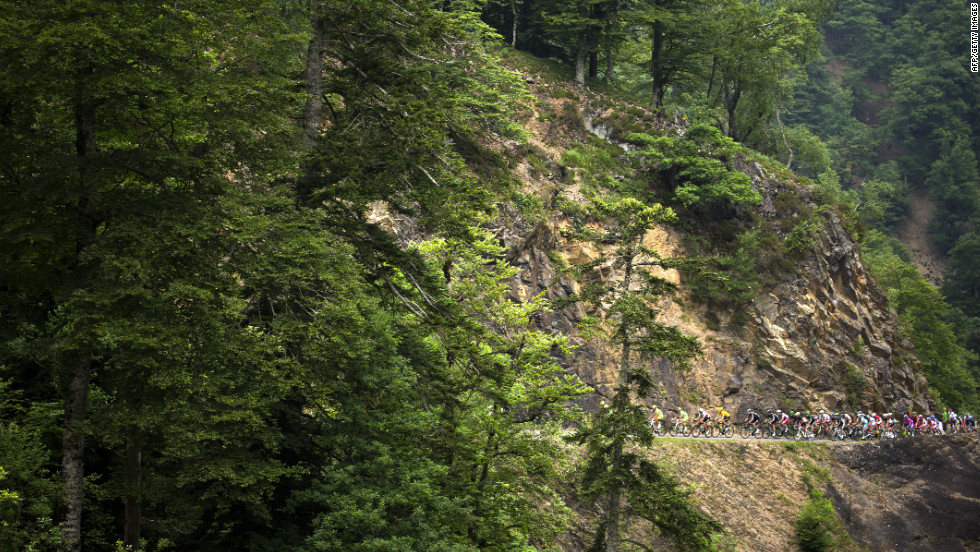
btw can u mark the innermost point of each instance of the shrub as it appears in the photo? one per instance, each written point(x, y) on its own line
point(815, 524)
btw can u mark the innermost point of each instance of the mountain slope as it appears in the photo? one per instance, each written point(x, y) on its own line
point(818, 332)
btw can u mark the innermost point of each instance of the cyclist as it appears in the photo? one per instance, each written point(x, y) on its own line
point(824, 420)
point(809, 424)
point(656, 418)
point(863, 420)
point(723, 416)
point(969, 424)
point(953, 423)
point(887, 425)
point(784, 421)
point(680, 415)
point(920, 422)
point(752, 419)
point(703, 417)
point(846, 420)
point(796, 420)
point(771, 419)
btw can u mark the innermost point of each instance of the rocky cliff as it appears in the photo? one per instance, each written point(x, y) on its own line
point(817, 335)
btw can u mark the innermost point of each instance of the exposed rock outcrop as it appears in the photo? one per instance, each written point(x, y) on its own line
point(821, 336)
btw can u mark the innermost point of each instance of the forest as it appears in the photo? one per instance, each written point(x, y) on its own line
point(208, 342)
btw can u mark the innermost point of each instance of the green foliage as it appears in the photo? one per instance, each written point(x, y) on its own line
point(669, 506)
point(731, 279)
point(883, 203)
point(961, 285)
point(611, 471)
point(810, 154)
point(530, 205)
point(28, 486)
point(291, 376)
point(952, 182)
point(800, 238)
point(815, 524)
point(946, 363)
point(697, 167)
point(853, 380)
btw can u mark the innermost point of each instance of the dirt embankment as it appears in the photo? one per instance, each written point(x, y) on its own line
point(909, 495)
point(913, 232)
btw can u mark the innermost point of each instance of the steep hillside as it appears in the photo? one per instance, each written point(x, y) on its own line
point(913, 494)
point(818, 333)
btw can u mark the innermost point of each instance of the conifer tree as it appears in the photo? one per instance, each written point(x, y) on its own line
point(615, 472)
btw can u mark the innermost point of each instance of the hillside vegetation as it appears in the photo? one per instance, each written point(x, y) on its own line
point(361, 277)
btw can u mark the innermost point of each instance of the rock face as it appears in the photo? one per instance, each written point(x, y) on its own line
point(821, 336)
point(808, 332)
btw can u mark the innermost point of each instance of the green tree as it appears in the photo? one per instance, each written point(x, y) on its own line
point(954, 182)
point(111, 113)
point(945, 362)
point(612, 471)
point(754, 57)
point(457, 445)
point(961, 286)
point(882, 203)
point(576, 24)
point(671, 30)
point(697, 168)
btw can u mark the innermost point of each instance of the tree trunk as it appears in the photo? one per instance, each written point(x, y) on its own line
point(131, 533)
point(583, 52)
point(613, 10)
point(711, 79)
point(789, 162)
point(313, 109)
point(593, 64)
point(613, 505)
point(76, 399)
point(73, 455)
point(657, 64)
point(730, 105)
point(607, 78)
point(513, 31)
point(613, 509)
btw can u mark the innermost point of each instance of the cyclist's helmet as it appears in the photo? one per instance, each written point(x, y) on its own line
point(748, 410)
point(797, 413)
point(779, 412)
point(807, 412)
point(769, 411)
point(859, 412)
point(821, 411)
